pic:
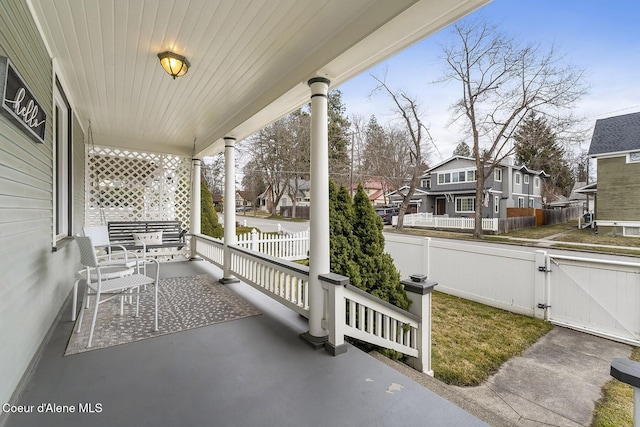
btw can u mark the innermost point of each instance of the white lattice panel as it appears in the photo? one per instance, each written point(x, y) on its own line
point(123, 185)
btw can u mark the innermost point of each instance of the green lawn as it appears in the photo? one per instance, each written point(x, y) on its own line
point(470, 341)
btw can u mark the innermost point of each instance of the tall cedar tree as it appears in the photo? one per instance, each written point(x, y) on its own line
point(338, 135)
point(377, 271)
point(537, 148)
point(342, 243)
point(209, 218)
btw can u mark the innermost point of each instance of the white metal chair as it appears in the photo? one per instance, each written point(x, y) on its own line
point(100, 237)
point(122, 261)
point(107, 285)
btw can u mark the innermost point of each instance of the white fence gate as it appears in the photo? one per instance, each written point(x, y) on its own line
point(596, 296)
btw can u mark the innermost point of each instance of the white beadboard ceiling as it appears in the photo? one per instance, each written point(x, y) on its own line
point(250, 60)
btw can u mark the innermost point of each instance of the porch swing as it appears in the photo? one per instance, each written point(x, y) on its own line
point(140, 234)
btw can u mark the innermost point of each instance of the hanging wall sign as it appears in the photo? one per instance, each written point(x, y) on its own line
point(18, 102)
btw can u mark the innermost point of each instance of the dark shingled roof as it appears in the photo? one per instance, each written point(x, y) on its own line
point(615, 134)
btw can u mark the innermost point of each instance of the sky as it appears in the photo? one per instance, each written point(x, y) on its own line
point(602, 38)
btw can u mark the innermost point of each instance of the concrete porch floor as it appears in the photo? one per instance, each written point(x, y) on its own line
point(253, 371)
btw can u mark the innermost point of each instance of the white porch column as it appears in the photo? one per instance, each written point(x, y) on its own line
point(229, 206)
point(196, 211)
point(319, 262)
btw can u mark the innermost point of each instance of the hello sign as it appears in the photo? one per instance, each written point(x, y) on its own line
point(19, 104)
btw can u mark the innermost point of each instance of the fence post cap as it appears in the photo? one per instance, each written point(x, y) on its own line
point(422, 287)
point(626, 370)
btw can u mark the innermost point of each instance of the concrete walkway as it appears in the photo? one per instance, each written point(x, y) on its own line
point(555, 382)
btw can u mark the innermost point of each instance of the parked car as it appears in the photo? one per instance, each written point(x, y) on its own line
point(387, 213)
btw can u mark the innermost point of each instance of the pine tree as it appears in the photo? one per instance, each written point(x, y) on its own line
point(536, 147)
point(209, 218)
point(462, 149)
point(357, 246)
point(378, 273)
point(343, 245)
point(338, 129)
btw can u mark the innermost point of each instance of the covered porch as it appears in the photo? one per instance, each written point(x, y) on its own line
point(93, 68)
point(246, 372)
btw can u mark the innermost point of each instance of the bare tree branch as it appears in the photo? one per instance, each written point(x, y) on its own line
point(502, 82)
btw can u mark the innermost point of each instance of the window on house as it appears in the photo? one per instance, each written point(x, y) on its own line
point(496, 204)
point(531, 203)
point(536, 182)
point(444, 178)
point(61, 167)
point(517, 177)
point(521, 202)
point(526, 179)
point(465, 204)
point(497, 175)
point(458, 176)
point(632, 231)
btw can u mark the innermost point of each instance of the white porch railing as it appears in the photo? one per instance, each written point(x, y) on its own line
point(362, 316)
point(429, 220)
point(348, 311)
point(282, 280)
point(291, 247)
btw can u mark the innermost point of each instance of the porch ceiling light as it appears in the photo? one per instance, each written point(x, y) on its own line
point(174, 64)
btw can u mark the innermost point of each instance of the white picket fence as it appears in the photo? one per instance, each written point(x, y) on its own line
point(290, 246)
point(429, 220)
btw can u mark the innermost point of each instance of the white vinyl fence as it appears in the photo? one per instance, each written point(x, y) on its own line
point(592, 295)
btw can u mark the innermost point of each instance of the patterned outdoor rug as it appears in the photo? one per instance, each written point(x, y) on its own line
point(183, 303)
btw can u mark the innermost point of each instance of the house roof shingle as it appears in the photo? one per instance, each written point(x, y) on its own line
point(616, 134)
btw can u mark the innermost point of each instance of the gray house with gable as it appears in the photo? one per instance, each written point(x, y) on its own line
point(449, 189)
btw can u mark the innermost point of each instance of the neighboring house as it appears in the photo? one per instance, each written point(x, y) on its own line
point(576, 198)
point(218, 199)
point(375, 189)
point(616, 147)
point(449, 189)
point(244, 198)
point(302, 197)
point(417, 202)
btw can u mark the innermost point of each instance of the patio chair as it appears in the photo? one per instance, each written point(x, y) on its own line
point(100, 237)
point(102, 281)
point(121, 260)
